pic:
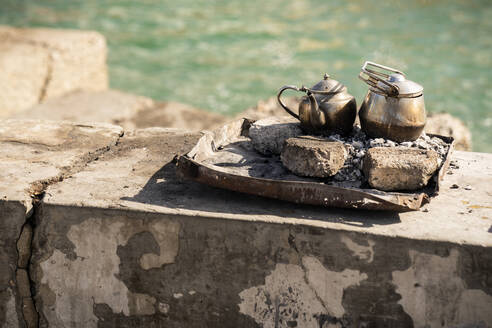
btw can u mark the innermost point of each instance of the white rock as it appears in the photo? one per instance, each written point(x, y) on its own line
point(268, 135)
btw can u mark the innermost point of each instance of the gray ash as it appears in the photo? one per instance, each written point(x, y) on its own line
point(357, 144)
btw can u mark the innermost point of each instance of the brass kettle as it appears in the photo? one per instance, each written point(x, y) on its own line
point(393, 107)
point(327, 107)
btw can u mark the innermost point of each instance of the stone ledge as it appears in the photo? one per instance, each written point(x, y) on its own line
point(144, 180)
point(32, 155)
point(121, 242)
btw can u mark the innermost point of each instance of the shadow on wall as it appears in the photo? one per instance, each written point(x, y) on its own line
point(164, 188)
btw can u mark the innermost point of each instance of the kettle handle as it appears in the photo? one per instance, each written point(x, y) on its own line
point(282, 89)
point(374, 76)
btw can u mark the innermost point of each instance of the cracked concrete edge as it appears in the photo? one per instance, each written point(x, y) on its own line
point(36, 189)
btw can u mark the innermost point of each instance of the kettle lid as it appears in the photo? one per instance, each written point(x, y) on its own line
point(329, 85)
point(406, 88)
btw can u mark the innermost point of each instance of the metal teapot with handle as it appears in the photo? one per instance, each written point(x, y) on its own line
point(327, 107)
point(393, 107)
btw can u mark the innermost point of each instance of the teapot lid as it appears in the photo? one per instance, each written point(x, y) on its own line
point(391, 85)
point(329, 85)
point(406, 88)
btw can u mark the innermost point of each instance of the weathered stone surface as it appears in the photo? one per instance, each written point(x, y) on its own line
point(33, 153)
point(35, 150)
point(447, 125)
point(177, 253)
point(179, 116)
point(399, 168)
point(268, 135)
point(110, 106)
point(313, 157)
point(46, 63)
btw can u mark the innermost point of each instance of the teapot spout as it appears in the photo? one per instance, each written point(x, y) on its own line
point(317, 116)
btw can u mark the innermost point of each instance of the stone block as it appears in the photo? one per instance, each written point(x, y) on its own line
point(45, 63)
point(177, 253)
point(122, 242)
point(399, 168)
point(313, 157)
point(109, 106)
point(268, 135)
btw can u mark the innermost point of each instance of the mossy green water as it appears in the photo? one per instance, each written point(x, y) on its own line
point(223, 56)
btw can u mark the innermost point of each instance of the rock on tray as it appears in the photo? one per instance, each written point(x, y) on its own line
point(268, 135)
point(400, 168)
point(313, 157)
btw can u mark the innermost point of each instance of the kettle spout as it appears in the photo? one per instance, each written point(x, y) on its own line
point(317, 116)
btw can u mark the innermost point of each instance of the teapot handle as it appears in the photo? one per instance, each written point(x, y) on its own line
point(282, 89)
point(374, 76)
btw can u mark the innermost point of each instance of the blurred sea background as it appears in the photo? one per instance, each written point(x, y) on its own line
point(224, 56)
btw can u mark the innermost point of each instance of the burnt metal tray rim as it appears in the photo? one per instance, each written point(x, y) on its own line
point(190, 166)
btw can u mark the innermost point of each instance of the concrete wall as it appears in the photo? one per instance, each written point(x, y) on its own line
point(117, 268)
point(12, 219)
point(119, 241)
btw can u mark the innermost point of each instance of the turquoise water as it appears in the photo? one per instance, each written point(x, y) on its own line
point(225, 55)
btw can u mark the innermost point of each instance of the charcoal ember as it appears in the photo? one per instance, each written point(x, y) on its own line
point(400, 168)
point(268, 135)
point(357, 144)
point(313, 157)
point(335, 137)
